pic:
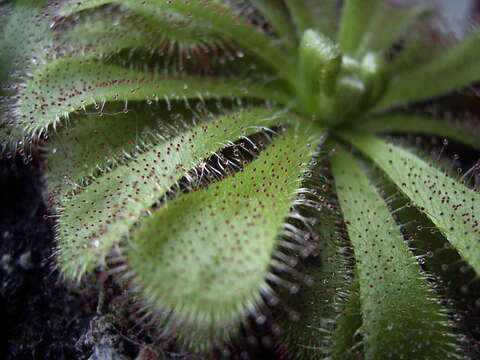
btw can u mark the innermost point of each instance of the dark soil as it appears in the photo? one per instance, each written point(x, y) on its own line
point(43, 318)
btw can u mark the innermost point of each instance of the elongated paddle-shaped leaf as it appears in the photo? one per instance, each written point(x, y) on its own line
point(311, 334)
point(354, 25)
point(301, 15)
point(108, 31)
point(211, 13)
point(399, 123)
point(345, 337)
point(212, 249)
point(96, 218)
point(326, 16)
point(390, 21)
point(64, 86)
point(279, 21)
point(401, 315)
point(93, 142)
point(451, 206)
point(453, 69)
point(24, 37)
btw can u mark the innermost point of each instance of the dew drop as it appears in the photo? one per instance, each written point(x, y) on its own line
point(273, 301)
point(261, 319)
point(457, 317)
point(309, 281)
point(294, 316)
point(294, 289)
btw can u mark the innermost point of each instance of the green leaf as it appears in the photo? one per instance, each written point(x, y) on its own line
point(322, 16)
point(345, 337)
point(399, 123)
point(23, 35)
point(108, 31)
point(311, 333)
point(96, 218)
point(402, 317)
point(326, 16)
point(68, 85)
point(279, 20)
point(319, 64)
point(23, 39)
point(81, 5)
point(204, 257)
point(387, 25)
point(354, 26)
point(349, 93)
point(418, 46)
point(438, 257)
point(301, 15)
point(76, 153)
point(213, 14)
point(450, 205)
point(453, 69)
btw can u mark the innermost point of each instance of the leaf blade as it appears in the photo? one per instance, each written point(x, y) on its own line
point(67, 85)
point(301, 15)
point(400, 315)
point(218, 16)
point(109, 30)
point(240, 215)
point(322, 323)
point(391, 21)
point(76, 153)
point(451, 70)
point(450, 205)
point(399, 123)
point(95, 218)
point(279, 20)
point(354, 23)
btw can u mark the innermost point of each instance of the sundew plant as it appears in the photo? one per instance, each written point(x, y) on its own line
point(230, 161)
